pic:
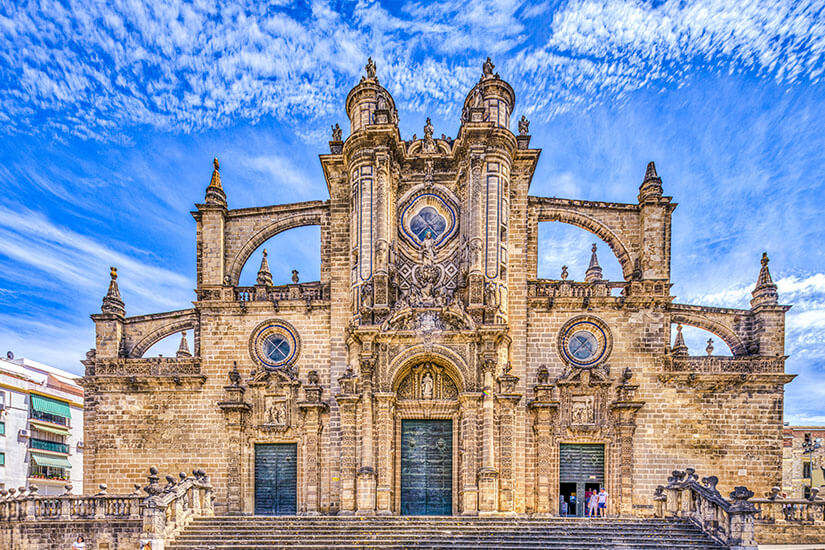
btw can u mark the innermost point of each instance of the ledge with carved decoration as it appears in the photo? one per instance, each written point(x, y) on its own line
point(547, 294)
point(723, 373)
point(144, 374)
point(297, 296)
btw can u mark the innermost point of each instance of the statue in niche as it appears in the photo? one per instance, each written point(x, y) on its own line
point(428, 249)
point(383, 105)
point(427, 386)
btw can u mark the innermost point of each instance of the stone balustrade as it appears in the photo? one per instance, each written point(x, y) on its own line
point(573, 289)
point(715, 364)
point(298, 291)
point(730, 522)
point(126, 521)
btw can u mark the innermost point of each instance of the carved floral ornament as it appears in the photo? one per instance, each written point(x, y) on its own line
point(585, 342)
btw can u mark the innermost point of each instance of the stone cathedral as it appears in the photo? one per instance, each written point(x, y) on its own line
point(430, 371)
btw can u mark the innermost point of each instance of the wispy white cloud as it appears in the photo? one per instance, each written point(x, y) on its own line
point(94, 69)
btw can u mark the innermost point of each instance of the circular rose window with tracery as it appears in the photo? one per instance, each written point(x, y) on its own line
point(585, 342)
point(274, 344)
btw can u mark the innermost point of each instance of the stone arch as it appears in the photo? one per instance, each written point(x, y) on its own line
point(259, 237)
point(453, 364)
point(598, 229)
point(150, 339)
point(727, 335)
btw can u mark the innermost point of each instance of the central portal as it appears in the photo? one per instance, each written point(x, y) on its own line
point(427, 467)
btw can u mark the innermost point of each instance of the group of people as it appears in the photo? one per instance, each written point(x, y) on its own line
point(595, 503)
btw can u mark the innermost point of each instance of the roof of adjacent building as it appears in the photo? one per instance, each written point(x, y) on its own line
point(44, 378)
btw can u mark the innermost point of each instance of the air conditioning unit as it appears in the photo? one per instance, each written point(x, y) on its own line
point(24, 433)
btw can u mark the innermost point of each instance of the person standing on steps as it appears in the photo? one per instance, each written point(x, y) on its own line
point(592, 504)
point(79, 544)
point(602, 503)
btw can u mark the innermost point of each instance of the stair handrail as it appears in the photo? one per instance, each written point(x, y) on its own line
point(169, 508)
point(729, 522)
point(776, 509)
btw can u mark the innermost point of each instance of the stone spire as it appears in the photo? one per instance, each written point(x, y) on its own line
point(112, 303)
point(264, 276)
point(214, 193)
point(765, 291)
point(594, 270)
point(183, 349)
point(679, 347)
point(651, 188)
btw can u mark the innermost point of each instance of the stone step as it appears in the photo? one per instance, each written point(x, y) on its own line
point(420, 532)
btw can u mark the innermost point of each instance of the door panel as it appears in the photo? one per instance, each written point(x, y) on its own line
point(580, 465)
point(276, 479)
point(426, 467)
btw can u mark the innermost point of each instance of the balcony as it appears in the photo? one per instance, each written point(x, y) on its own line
point(51, 446)
point(50, 418)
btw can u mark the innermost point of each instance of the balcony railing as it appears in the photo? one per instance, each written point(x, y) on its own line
point(46, 417)
point(43, 445)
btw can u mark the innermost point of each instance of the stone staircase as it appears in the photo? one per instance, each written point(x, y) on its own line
point(417, 532)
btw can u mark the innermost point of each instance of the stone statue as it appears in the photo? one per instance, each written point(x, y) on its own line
point(564, 273)
point(523, 126)
point(427, 386)
point(487, 68)
point(428, 129)
point(383, 105)
point(428, 249)
point(336, 132)
point(370, 68)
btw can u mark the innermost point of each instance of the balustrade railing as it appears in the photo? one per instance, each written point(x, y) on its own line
point(164, 512)
point(299, 291)
point(573, 289)
point(777, 510)
point(730, 522)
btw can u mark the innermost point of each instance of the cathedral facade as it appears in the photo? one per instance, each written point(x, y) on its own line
point(430, 371)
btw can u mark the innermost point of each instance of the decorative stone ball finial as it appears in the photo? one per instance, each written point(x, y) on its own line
point(113, 272)
point(543, 374)
point(234, 375)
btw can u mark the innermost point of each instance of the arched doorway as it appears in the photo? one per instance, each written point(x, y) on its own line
point(427, 439)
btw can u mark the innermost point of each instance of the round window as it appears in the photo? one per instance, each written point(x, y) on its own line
point(584, 342)
point(274, 344)
point(276, 348)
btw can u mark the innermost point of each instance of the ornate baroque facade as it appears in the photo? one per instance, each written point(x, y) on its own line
point(430, 370)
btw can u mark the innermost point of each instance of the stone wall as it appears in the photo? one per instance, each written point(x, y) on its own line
point(99, 534)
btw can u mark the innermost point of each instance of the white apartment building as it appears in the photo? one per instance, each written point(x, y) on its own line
point(41, 427)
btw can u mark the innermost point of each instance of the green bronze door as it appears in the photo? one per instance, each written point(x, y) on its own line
point(275, 479)
point(426, 467)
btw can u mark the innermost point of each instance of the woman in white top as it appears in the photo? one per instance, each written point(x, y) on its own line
point(79, 544)
point(593, 504)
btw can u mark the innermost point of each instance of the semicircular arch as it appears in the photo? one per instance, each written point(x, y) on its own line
point(147, 341)
point(598, 229)
point(262, 235)
point(728, 336)
point(453, 363)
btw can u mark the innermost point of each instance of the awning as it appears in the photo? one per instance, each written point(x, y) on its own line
point(53, 461)
point(50, 406)
point(50, 429)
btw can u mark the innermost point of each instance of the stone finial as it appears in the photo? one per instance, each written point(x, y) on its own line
point(679, 347)
point(594, 270)
point(153, 488)
point(523, 126)
point(295, 276)
point(136, 492)
point(543, 375)
point(183, 348)
point(564, 273)
point(235, 375)
point(370, 68)
point(264, 276)
point(651, 188)
point(33, 490)
point(709, 348)
point(102, 492)
point(112, 303)
point(740, 496)
point(214, 192)
point(765, 291)
point(68, 489)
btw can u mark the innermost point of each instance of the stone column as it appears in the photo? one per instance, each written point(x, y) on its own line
point(468, 403)
point(385, 462)
point(624, 412)
point(487, 474)
point(348, 408)
point(366, 473)
point(475, 235)
point(507, 400)
point(383, 194)
point(312, 410)
point(547, 462)
point(235, 412)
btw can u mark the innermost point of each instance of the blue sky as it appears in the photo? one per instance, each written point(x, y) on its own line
point(110, 114)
